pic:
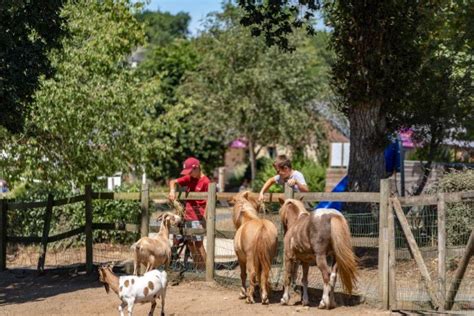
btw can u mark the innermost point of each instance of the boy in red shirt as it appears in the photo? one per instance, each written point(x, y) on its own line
point(195, 211)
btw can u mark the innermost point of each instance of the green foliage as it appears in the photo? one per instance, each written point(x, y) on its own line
point(162, 28)
point(242, 88)
point(92, 117)
point(459, 216)
point(65, 218)
point(314, 174)
point(29, 30)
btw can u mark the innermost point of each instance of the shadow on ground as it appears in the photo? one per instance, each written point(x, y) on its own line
point(25, 285)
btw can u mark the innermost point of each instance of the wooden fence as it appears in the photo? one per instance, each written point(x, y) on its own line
point(386, 245)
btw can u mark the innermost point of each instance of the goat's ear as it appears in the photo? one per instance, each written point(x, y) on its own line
point(282, 201)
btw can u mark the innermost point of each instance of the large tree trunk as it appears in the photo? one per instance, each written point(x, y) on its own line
point(366, 161)
point(253, 159)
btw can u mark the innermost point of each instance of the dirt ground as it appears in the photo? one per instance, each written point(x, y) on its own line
point(23, 292)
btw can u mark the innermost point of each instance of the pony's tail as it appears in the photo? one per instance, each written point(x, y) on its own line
point(264, 251)
point(345, 258)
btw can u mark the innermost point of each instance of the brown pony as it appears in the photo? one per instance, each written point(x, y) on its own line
point(311, 237)
point(255, 245)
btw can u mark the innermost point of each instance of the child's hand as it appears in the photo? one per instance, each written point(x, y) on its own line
point(261, 197)
point(291, 182)
point(172, 196)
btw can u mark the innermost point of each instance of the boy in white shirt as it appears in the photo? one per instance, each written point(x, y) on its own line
point(285, 174)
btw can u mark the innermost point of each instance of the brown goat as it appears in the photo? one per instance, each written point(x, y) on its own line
point(155, 251)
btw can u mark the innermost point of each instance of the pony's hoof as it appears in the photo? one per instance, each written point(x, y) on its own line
point(305, 303)
point(284, 301)
point(242, 296)
point(322, 305)
point(265, 301)
point(249, 301)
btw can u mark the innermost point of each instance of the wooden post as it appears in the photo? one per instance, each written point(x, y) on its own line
point(289, 193)
point(88, 228)
point(425, 276)
point(144, 205)
point(210, 230)
point(221, 179)
point(441, 251)
point(392, 291)
point(3, 234)
point(458, 276)
point(383, 263)
point(46, 227)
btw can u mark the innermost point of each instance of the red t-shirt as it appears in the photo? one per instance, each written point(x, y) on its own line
point(195, 209)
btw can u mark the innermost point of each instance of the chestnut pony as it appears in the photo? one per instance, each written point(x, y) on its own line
point(255, 245)
point(311, 237)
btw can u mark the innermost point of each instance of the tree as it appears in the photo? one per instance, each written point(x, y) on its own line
point(242, 88)
point(90, 118)
point(29, 30)
point(379, 59)
point(163, 27)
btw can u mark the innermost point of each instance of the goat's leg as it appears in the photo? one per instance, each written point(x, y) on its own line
point(152, 309)
point(243, 279)
point(323, 267)
point(148, 267)
point(130, 307)
point(121, 307)
point(163, 296)
point(135, 267)
point(289, 266)
point(305, 300)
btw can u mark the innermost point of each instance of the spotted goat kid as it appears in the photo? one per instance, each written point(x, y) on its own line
point(136, 289)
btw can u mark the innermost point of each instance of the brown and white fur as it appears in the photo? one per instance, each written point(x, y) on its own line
point(155, 251)
point(255, 245)
point(311, 237)
point(136, 289)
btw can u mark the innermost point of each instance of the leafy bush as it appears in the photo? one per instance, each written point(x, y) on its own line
point(64, 218)
point(459, 216)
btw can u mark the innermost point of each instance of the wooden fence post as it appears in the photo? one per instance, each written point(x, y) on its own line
point(144, 205)
point(289, 193)
point(46, 227)
point(383, 263)
point(210, 231)
point(392, 291)
point(3, 234)
point(459, 275)
point(88, 228)
point(425, 275)
point(441, 251)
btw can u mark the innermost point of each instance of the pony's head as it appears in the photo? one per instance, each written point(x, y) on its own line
point(290, 211)
point(244, 205)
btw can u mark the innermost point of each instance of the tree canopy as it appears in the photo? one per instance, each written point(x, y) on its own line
point(242, 88)
point(90, 118)
point(163, 27)
point(29, 30)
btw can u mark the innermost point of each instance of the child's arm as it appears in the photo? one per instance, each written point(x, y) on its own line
point(172, 194)
point(265, 187)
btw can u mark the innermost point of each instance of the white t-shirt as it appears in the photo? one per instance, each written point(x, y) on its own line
point(298, 176)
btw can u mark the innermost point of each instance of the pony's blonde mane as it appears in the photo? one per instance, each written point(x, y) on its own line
point(299, 205)
point(243, 208)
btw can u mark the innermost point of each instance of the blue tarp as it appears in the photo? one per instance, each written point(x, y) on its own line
point(340, 187)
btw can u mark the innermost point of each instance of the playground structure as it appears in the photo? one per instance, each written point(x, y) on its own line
point(382, 235)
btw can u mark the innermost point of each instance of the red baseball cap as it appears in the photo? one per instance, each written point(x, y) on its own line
point(190, 164)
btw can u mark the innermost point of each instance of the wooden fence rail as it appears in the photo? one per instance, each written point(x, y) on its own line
point(385, 243)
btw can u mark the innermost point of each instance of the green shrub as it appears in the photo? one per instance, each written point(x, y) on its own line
point(64, 218)
point(459, 216)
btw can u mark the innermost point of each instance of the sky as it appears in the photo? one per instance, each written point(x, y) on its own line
point(197, 9)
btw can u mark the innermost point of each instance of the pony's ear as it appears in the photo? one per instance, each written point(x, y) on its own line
point(246, 194)
point(282, 201)
point(301, 198)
